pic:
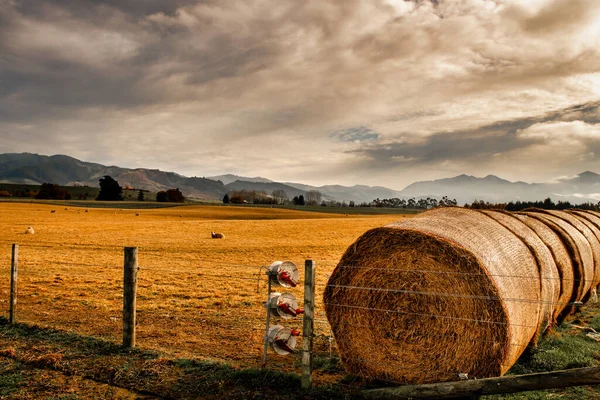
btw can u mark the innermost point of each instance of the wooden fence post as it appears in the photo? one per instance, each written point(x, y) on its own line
point(129, 295)
point(14, 264)
point(307, 331)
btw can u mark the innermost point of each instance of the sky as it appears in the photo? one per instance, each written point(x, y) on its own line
point(376, 92)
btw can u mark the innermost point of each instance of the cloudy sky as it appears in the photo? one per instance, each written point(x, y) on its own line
point(378, 92)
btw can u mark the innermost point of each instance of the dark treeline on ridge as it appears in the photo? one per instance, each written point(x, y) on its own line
point(547, 204)
point(412, 203)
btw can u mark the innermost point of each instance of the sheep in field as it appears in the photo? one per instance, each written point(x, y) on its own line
point(217, 235)
point(29, 231)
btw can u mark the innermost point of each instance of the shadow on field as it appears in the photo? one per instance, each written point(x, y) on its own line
point(146, 373)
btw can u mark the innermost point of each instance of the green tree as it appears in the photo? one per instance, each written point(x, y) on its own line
point(549, 204)
point(226, 199)
point(162, 197)
point(298, 200)
point(52, 191)
point(175, 196)
point(110, 190)
point(141, 195)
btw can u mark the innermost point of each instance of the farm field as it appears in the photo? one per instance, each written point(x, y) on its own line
point(197, 297)
point(88, 192)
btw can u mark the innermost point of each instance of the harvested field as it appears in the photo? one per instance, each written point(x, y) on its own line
point(197, 297)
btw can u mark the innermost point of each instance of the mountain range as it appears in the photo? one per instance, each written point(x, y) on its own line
point(584, 187)
point(64, 170)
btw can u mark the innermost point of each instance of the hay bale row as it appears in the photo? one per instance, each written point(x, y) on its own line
point(562, 260)
point(579, 249)
point(455, 291)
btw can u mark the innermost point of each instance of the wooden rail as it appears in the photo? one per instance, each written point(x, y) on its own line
point(480, 387)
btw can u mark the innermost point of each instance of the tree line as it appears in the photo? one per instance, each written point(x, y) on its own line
point(110, 190)
point(413, 203)
point(277, 197)
point(547, 204)
point(315, 198)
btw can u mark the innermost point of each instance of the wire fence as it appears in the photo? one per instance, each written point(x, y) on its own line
point(203, 308)
point(185, 307)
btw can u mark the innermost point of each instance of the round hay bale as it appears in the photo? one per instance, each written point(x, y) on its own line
point(589, 236)
point(561, 259)
point(593, 224)
point(427, 298)
point(548, 277)
point(578, 247)
point(591, 216)
point(595, 213)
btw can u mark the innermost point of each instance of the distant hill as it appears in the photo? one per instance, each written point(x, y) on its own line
point(26, 168)
point(229, 178)
point(64, 170)
point(466, 188)
point(268, 187)
point(356, 193)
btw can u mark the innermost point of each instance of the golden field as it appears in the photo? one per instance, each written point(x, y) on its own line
point(197, 296)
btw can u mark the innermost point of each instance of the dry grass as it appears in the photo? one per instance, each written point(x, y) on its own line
point(20, 383)
point(191, 301)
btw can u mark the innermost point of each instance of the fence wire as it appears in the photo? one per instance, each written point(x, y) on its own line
point(216, 321)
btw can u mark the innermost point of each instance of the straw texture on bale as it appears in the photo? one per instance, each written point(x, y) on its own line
point(562, 261)
point(592, 217)
point(595, 213)
point(449, 291)
point(593, 239)
point(578, 247)
point(548, 272)
point(589, 236)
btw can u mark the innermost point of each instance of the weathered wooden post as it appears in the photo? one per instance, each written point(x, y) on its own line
point(267, 305)
point(309, 316)
point(129, 296)
point(14, 264)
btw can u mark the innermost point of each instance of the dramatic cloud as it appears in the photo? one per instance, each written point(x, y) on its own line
point(357, 91)
point(355, 135)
